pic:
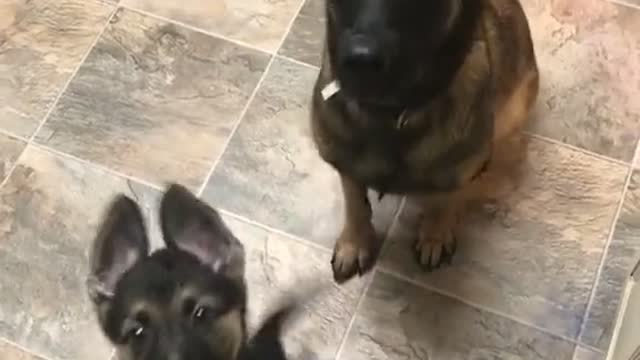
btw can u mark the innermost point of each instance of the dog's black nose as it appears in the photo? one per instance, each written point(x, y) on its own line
point(363, 53)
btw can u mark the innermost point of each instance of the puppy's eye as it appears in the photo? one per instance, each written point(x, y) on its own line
point(133, 331)
point(137, 332)
point(202, 313)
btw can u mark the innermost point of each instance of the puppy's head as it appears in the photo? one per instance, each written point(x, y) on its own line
point(186, 301)
point(381, 49)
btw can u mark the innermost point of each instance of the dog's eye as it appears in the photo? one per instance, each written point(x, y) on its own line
point(134, 331)
point(201, 313)
point(137, 332)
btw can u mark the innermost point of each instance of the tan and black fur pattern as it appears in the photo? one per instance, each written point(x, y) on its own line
point(187, 301)
point(440, 119)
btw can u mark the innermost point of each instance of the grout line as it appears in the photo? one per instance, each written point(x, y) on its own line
point(235, 127)
point(575, 148)
point(612, 230)
point(625, 3)
point(197, 29)
point(352, 321)
point(250, 99)
point(273, 230)
point(298, 62)
point(224, 37)
point(97, 166)
point(24, 349)
point(586, 347)
point(30, 140)
point(13, 136)
point(365, 290)
point(13, 167)
point(477, 306)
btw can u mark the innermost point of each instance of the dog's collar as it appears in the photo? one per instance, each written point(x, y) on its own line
point(333, 87)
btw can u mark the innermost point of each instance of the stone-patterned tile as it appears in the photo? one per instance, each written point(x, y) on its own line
point(306, 38)
point(632, 3)
point(154, 100)
point(10, 149)
point(49, 211)
point(274, 270)
point(589, 57)
point(588, 354)
point(271, 171)
point(623, 254)
point(260, 23)
point(535, 253)
point(10, 352)
point(398, 320)
point(41, 44)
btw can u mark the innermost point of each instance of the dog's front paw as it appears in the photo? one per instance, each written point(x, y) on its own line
point(434, 249)
point(355, 253)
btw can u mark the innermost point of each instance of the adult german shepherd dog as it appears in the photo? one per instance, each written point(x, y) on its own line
point(187, 301)
point(426, 98)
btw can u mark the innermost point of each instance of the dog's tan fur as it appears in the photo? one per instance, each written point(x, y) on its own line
point(501, 32)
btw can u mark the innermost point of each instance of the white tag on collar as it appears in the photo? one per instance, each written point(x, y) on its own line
point(402, 120)
point(330, 89)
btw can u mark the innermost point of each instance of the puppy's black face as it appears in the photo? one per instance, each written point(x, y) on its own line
point(185, 302)
point(381, 49)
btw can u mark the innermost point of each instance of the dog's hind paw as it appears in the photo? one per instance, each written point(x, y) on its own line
point(434, 250)
point(354, 253)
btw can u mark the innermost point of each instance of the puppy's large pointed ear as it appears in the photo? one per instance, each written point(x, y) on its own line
point(191, 225)
point(121, 242)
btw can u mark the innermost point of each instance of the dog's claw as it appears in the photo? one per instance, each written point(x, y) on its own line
point(353, 256)
point(432, 252)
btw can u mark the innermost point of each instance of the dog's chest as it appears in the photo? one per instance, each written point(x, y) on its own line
point(395, 159)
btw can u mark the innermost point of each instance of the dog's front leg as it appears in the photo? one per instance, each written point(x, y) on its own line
point(357, 246)
point(436, 242)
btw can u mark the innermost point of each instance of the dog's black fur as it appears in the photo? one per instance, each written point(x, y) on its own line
point(187, 301)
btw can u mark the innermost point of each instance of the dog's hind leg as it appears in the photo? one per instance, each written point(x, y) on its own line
point(357, 246)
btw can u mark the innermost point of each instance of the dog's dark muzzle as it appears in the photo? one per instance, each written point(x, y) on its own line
point(361, 53)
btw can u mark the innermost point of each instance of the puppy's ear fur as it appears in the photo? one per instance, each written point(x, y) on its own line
point(192, 226)
point(121, 242)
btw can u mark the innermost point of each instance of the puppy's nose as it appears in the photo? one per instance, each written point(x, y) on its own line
point(364, 53)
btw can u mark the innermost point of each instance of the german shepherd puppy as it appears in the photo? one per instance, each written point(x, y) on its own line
point(424, 98)
point(184, 302)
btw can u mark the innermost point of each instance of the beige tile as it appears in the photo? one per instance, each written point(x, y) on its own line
point(398, 320)
point(271, 171)
point(49, 212)
point(10, 352)
point(306, 38)
point(41, 43)
point(588, 354)
point(623, 254)
point(277, 266)
point(534, 254)
point(261, 23)
point(589, 57)
point(632, 3)
point(10, 149)
point(154, 100)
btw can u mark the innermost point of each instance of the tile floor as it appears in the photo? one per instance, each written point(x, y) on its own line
point(99, 97)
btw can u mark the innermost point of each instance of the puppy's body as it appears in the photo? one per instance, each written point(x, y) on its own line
point(184, 302)
point(445, 131)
